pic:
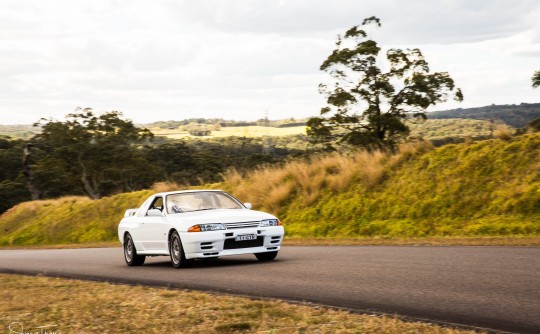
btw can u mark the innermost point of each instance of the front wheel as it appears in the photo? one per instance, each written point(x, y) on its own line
point(267, 256)
point(178, 258)
point(130, 253)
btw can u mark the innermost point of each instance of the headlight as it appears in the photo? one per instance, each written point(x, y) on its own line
point(270, 222)
point(206, 227)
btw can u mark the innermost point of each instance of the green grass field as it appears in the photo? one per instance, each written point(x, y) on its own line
point(238, 131)
point(433, 129)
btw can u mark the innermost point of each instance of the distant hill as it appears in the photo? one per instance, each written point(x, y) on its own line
point(514, 115)
point(448, 126)
point(19, 131)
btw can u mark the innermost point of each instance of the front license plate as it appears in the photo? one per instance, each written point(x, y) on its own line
point(245, 237)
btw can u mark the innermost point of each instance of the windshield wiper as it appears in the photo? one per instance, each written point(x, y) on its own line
point(203, 209)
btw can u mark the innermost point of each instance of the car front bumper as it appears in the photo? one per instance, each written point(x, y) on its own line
point(222, 243)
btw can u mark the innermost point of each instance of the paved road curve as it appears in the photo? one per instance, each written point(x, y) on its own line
point(490, 287)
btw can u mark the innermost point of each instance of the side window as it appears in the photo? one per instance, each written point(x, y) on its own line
point(156, 204)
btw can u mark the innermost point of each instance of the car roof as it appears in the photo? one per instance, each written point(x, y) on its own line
point(187, 191)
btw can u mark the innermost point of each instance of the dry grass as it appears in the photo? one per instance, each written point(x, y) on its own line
point(503, 131)
point(271, 188)
point(162, 187)
point(88, 307)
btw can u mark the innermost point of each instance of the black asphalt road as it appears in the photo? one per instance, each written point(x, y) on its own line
point(489, 287)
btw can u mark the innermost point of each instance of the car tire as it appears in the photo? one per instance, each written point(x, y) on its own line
point(266, 256)
point(176, 251)
point(130, 253)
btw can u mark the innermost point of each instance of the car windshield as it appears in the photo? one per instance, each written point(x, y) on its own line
point(198, 201)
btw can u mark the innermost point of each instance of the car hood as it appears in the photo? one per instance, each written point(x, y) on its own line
point(220, 216)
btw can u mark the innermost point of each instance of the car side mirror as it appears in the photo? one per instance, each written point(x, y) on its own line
point(248, 205)
point(130, 212)
point(154, 213)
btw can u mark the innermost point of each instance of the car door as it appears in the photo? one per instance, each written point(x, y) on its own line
point(153, 229)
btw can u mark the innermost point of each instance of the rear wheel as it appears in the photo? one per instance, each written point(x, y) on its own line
point(267, 256)
point(178, 258)
point(130, 253)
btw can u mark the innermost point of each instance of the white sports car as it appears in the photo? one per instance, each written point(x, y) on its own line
point(187, 225)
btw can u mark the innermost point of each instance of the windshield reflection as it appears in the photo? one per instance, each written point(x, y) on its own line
point(200, 201)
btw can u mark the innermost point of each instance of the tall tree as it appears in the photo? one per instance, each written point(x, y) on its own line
point(95, 148)
point(536, 79)
point(12, 183)
point(27, 171)
point(368, 101)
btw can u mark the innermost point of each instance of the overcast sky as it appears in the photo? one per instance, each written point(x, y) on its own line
point(163, 60)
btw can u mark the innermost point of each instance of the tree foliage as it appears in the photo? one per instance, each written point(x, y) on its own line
point(534, 125)
point(536, 79)
point(96, 149)
point(102, 154)
point(12, 182)
point(369, 103)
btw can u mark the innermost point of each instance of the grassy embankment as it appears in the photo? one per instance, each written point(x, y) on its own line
point(488, 188)
point(486, 192)
point(70, 306)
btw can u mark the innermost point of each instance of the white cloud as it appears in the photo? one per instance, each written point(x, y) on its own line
point(239, 58)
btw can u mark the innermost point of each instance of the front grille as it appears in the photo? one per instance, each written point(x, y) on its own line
point(232, 244)
point(231, 226)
